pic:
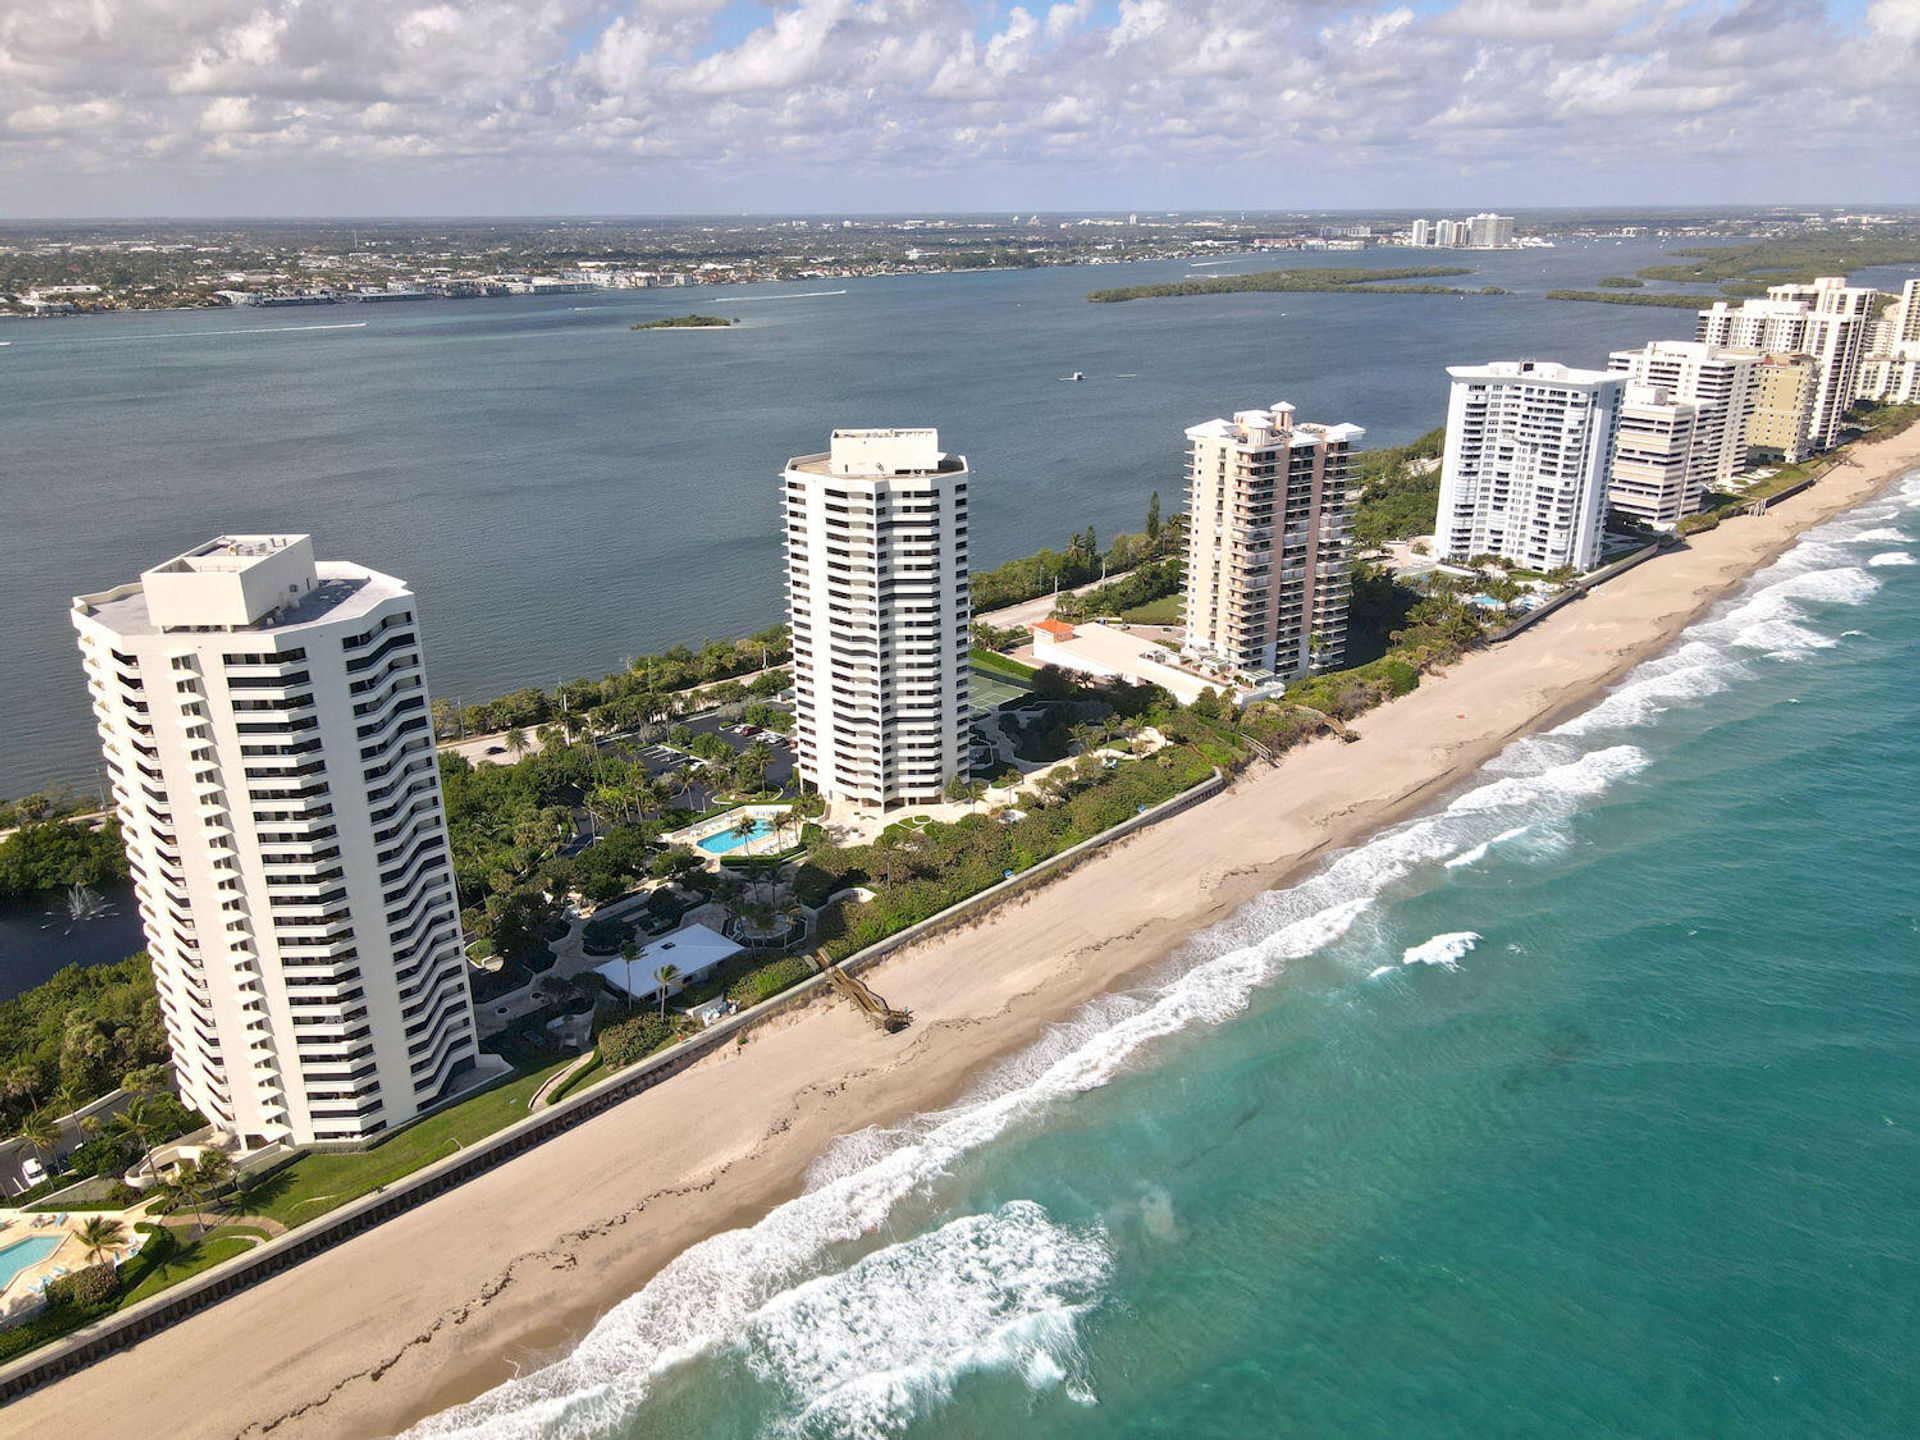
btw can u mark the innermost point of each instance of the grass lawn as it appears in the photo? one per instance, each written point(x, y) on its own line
point(1167, 610)
point(223, 1242)
point(586, 1076)
point(316, 1183)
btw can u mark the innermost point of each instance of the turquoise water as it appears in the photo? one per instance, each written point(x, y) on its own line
point(1588, 1104)
point(23, 1253)
point(726, 842)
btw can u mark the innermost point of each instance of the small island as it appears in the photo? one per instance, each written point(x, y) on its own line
point(684, 322)
point(1324, 280)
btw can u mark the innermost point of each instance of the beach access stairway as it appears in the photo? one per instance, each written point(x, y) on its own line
point(862, 995)
point(73, 1353)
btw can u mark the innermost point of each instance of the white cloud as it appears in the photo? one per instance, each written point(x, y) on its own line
point(504, 104)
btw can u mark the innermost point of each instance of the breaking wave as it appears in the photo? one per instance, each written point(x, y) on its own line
point(1446, 951)
point(857, 1342)
point(1891, 557)
point(858, 1354)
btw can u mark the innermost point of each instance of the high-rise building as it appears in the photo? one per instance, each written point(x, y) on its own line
point(1487, 231)
point(1782, 414)
point(1268, 542)
point(1828, 320)
point(877, 592)
point(1655, 475)
point(1450, 234)
point(1421, 234)
point(1890, 371)
point(1718, 384)
point(1524, 474)
point(265, 725)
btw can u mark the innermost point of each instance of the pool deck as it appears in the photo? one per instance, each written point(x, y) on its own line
point(20, 1292)
point(768, 844)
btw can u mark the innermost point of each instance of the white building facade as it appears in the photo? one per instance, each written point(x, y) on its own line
point(1268, 542)
point(1829, 320)
point(265, 726)
point(1655, 476)
point(1890, 371)
point(1524, 475)
point(1487, 231)
point(879, 602)
point(1719, 384)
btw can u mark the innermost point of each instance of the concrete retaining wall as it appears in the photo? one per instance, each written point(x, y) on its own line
point(1580, 587)
point(127, 1327)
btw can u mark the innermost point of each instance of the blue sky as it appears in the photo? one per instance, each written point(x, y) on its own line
point(657, 106)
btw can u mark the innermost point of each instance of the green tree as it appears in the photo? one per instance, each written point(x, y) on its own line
point(99, 1235)
point(137, 1124)
point(1153, 518)
point(666, 975)
point(40, 1133)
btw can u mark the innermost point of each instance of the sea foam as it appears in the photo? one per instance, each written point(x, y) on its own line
point(786, 1293)
point(1446, 950)
point(1888, 558)
point(860, 1353)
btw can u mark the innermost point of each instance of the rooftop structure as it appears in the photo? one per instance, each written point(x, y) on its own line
point(691, 951)
point(1105, 652)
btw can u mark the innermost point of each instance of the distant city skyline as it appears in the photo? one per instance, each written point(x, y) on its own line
point(266, 108)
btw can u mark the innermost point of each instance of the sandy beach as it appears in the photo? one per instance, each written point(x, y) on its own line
point(504, 1272)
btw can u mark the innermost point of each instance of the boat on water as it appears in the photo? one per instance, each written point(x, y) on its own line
point(1076, 375)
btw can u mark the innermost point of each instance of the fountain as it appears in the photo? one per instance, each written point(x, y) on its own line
point(84, 905)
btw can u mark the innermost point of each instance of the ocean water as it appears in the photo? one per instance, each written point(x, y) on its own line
point(562, 492)
point(1586, 1104)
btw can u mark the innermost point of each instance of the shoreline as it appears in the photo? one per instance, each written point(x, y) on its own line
point(443, 1302)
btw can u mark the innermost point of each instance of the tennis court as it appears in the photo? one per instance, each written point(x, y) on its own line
point(991, 690)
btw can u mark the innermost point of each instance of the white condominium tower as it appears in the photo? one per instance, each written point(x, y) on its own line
point(1829, 320)
point(1268, 541)
point(877, 592)
point(1719, 384)
point(1525, 470)
point(1890, 372)
point(264, 721)
point(1654, 477)
point(1488, 231)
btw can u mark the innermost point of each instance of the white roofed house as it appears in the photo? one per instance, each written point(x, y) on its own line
point(691, 952)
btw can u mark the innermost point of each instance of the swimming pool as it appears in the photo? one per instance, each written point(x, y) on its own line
point(726, 841)
point(24, 1253)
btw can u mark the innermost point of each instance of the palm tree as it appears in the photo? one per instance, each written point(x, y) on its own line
point(666, 975)
point(629, 952)
point(516, 742)
point(743, 828)
point(215, 1173)
point(40, 1133)
point(100, 1234)
point(137, 1123)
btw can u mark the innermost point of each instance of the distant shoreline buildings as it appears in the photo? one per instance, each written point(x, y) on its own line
point(1485, 231)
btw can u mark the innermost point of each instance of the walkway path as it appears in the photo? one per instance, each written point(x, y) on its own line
point(543, 1097)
